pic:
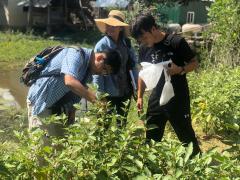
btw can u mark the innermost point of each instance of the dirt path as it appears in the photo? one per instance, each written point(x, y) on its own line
point(211, 141)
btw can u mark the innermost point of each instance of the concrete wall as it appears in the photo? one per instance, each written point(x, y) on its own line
point(12, 15)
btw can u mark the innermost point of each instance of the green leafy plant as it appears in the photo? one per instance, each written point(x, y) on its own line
point(96, 148)
point(215, 99)
point(224, 30)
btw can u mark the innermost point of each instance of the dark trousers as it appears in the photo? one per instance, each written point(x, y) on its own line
point(117, 103)
point(180, 119)
point(65, 105)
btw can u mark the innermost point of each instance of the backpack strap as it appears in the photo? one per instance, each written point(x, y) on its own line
point(78, 49)
point(169, 40)
point(55, 51)
point(82, 52)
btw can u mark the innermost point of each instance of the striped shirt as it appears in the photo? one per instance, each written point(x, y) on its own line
point(48, 90)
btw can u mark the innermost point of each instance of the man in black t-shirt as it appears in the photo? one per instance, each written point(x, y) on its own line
point(158, 46)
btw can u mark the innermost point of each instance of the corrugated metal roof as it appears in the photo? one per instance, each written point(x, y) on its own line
point(36, 3)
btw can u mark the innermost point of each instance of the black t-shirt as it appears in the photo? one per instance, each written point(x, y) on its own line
point(172, 47)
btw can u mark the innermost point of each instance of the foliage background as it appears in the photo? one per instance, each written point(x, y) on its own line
point(224, 31)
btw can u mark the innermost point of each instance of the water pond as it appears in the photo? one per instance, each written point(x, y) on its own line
point(11, 89)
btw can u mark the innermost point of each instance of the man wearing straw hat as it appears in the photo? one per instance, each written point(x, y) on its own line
point(119, 87)
point(160, 47)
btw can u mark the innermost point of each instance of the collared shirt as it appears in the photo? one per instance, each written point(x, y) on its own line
point(48, 90)
point(115, 85)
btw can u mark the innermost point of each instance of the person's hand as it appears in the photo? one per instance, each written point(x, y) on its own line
point(91, 97)
point(140, 105)
point(174, 69)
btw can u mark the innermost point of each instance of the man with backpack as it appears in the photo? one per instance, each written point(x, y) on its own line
point(158, 47)
point(62, 82)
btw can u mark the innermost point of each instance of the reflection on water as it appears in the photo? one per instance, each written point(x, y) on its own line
point(10, 80)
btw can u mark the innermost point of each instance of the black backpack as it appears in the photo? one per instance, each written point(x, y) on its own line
point(36, 64)
point(31, 71)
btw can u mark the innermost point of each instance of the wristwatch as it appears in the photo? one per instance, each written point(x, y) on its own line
point(182, 71)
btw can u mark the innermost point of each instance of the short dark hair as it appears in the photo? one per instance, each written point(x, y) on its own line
point(143, 22)
point(113, 59)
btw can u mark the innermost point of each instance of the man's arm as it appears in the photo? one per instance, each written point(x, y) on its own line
point(77, 87)
point(174, 69)
point(141, 90)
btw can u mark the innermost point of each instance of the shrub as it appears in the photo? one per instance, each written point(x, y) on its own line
point(225, 23)
point(91, 150)
point(215, 98)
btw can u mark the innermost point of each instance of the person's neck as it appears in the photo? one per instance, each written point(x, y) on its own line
point(114, 39)
point(159, 36)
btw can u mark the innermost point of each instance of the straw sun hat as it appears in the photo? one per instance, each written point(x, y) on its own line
point(115, 18)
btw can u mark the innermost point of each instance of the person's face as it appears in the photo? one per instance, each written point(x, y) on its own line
point(100, 67)
point(113, 31)
point(147, 38)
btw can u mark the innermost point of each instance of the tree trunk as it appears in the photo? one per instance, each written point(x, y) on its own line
point(30, 10)
point(82, 14)
point(49, 19)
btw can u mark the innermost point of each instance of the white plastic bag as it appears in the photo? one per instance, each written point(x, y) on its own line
point(150, 74)
point(167, 92)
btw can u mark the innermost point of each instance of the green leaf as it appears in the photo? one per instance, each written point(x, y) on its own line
point(4, 170)
point(131, 169)
point(130, 157)
point(113, 161)
point(47, 149)
point(139, 163)
point(152, 157)
point(180, 162)
point(208, 118)
point(1, 131)
point(168, 177)
point(157, 176)
point(178, 173)
point(102, 175)
point(188, 153)
point(141, 177)
point(147, 171)
point(7, 165)
point(208, 160)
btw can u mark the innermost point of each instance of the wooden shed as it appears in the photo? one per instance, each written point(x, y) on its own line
point(45, 13)
point(193, 12)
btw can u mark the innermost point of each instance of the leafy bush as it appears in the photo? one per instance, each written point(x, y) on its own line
point(215, 98)
point(98, 149)
point(225, 23)
point(11, 120)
